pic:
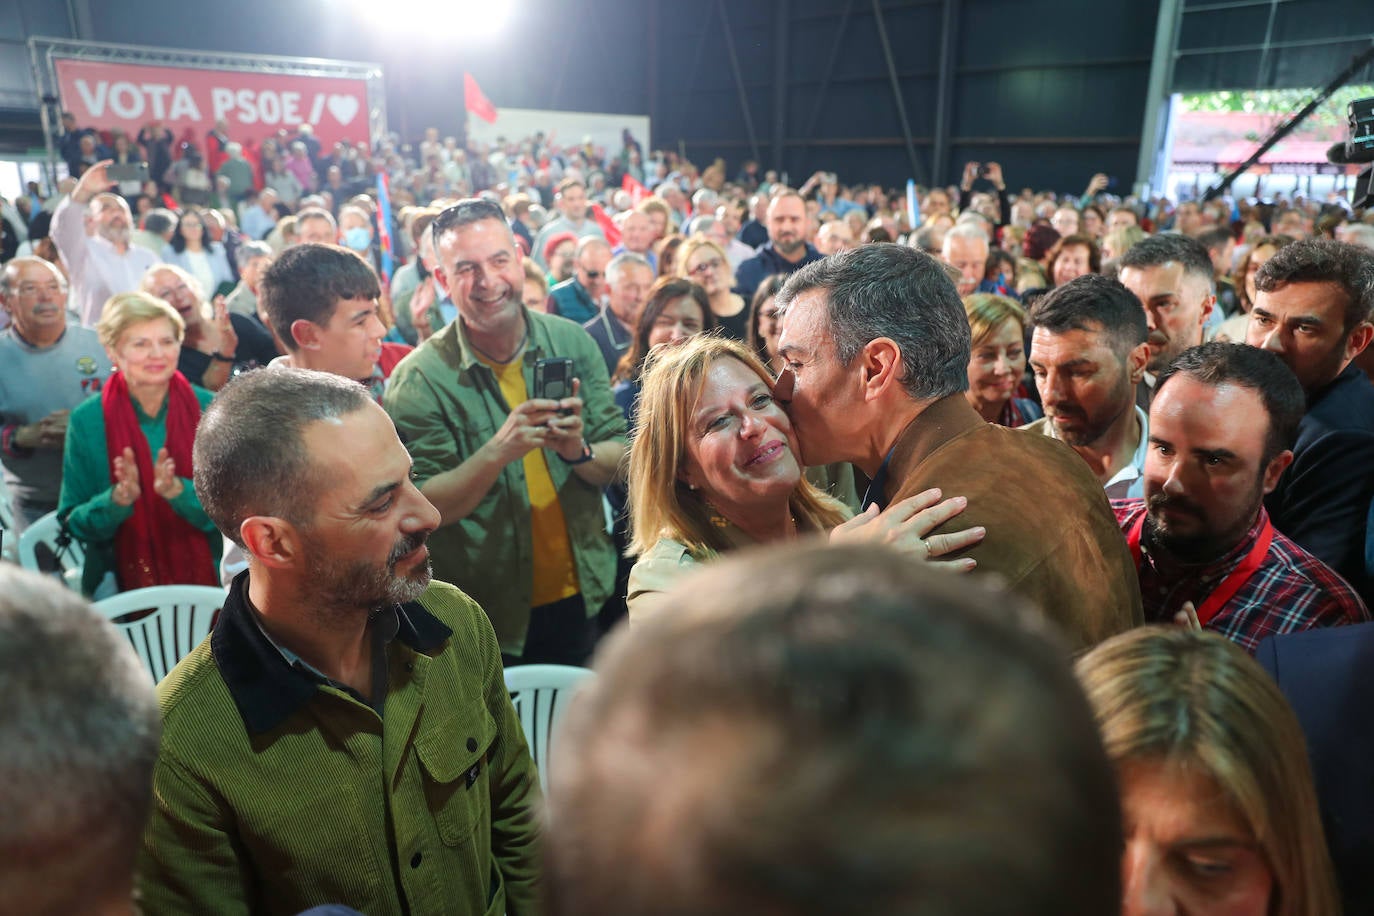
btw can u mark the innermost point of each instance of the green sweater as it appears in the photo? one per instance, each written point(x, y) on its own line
point(88, 488)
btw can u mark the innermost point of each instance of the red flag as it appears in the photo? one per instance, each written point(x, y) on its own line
point(608, 226)
point(637, 190)
point(475, 102)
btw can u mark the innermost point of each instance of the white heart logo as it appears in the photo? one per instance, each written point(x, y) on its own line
point(343, 107)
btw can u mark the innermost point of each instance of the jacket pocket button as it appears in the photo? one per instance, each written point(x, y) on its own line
point(415, 860)
point(472, 745)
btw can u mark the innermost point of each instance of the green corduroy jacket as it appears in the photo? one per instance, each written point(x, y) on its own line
point(275, 792)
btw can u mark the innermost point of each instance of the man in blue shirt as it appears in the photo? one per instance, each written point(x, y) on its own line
point(787, 248)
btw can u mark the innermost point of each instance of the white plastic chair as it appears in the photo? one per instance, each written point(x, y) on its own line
point(540, 694)
point(165, 622)
point(9, 546)
point(46, 530)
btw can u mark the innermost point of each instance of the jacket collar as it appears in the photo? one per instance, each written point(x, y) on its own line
point(943, 421)
point(264, 686)
point(458, 351)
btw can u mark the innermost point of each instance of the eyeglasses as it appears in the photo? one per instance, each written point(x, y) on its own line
point(472, 210)
point(592, 274)
point(170, 291)
point(705, 267)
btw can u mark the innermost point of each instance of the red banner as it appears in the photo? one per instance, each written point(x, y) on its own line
point(255, 105)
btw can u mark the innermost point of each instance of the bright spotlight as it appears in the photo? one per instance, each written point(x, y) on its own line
point(456, 18)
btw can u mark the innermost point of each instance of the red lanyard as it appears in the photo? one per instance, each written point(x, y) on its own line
point(1228, 587)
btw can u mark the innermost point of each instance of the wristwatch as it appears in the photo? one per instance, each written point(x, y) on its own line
point(582, 458)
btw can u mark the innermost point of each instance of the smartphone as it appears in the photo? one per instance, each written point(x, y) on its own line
point(553, 378)
point(134, 171)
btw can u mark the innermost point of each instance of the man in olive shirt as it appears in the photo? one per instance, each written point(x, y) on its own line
point(345, 734)
point(517, 478)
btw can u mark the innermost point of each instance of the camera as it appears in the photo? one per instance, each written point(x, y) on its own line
point(1359, 147)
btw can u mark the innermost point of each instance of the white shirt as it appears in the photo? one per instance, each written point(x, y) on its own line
point(97, 269)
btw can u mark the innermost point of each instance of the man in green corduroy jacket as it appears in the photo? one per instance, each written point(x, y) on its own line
point(344, 735)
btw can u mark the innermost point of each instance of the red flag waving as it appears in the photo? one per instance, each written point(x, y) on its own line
point(637, 190)
point(608, 226)
point(475, 102)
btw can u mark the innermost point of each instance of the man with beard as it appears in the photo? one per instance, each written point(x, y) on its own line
point(1088, 353)
point(92, 230)
point(787, 249)
point(1171, 275)
point(1202, 535)
point(344, 735)
point(1312, 310)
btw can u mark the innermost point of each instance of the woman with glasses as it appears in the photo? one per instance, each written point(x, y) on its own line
point(1264, 248)
point(704, 262)
point(126, 463)
point(218, 343)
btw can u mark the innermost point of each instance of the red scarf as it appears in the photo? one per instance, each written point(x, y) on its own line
point(155, 546)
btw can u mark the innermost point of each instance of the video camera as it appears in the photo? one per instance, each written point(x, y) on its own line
point(1358, 147)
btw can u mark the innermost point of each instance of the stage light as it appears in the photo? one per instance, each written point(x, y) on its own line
point(456, 19)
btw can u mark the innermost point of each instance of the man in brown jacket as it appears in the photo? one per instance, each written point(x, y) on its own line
point(876, 349)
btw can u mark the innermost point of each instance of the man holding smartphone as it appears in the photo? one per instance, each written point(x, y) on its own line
point(105, 263)
point(517, 477)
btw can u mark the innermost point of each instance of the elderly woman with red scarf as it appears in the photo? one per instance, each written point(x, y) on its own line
point(126, 468)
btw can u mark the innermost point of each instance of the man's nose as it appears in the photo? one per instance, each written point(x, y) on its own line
point(784, 387)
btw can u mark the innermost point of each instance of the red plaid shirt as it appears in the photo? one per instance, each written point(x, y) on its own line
point(1292, 590)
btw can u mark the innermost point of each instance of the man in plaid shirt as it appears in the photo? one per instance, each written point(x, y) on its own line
point(1221, 434)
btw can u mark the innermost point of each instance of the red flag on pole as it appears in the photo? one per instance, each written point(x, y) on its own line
point(637, 190)
point(475, 102)
point(608, 226)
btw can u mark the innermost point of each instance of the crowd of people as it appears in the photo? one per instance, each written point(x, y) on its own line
point(1027, 535)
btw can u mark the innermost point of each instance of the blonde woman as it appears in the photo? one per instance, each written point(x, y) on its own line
point(714, 466)
point(705, 263)
point(997, 360)
point(1219, 809)
point(126, 464)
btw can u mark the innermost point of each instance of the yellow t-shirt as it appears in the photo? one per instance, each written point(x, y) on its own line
point(555, 572)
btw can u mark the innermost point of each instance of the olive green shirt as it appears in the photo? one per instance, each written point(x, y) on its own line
point(446, 404)
point(276, 791)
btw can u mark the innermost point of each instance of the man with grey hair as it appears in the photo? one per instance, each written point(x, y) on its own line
point(628, 278)
point(101, 262)
point(579, 298)
point(47, 367)
point(875, 346)
point(965, 248)
point(155, 230)
point(854, 735)
point(344, 735)
point(78, 742)
point(252, 259)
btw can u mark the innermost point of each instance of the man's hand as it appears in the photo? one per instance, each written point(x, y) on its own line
point(166, 483)
point(970, 174)
point(566, 429)
point(1097, 183)
point(93, 181)
point(49, 432)
point(525, 429)
point(126, 488)
point(995, 176)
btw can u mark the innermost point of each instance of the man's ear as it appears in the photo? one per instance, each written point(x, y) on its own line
point(1359, 339)
point(306, 334)
point(880, 364)
point(1136, 361)
point(1274, 470)
point(1208, 304)
point(273, 542)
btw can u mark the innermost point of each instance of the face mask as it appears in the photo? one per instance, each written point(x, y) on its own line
point(357, 238)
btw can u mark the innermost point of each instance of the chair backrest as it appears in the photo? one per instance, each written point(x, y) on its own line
point(165, 622)
point(540, 693)
point(46, 531)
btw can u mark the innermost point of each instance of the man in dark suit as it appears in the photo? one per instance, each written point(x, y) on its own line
point(1326, 676)
point(1312, 309)
point(875, 344)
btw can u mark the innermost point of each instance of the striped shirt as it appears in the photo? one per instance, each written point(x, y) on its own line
point(1291, 591)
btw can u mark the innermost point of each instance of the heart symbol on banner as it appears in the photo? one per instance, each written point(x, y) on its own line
point(343, 107)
